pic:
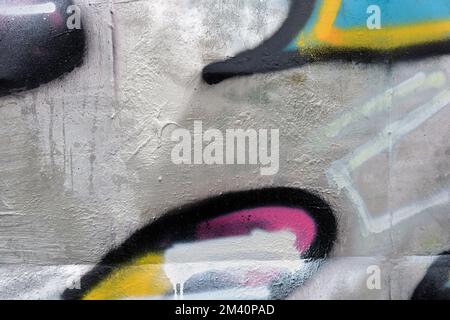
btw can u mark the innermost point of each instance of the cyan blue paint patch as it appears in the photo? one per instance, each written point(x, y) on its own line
point(308, 27)
point(353, 13)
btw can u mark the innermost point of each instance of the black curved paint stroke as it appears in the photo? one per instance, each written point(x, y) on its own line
point(37, 48)
point(271, 56)
point(436, 283)
point(178, 225)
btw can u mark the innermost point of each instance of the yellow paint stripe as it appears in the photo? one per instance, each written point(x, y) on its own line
point(390, 37)
point(143, 277)
point(324, 29)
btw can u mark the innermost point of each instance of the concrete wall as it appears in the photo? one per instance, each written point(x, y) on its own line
point(85, 160)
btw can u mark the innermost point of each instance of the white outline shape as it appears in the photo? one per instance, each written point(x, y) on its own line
point(339, 172)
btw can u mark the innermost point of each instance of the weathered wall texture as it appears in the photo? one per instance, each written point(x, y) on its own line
point(361, 194)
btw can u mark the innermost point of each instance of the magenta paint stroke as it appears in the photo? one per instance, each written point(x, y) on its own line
point(274, 218)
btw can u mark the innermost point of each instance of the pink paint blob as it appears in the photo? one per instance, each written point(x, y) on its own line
point(56, 19)
point(243, 222)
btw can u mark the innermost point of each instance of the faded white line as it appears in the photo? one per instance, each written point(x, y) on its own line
point(21, 10)
point(339, 172)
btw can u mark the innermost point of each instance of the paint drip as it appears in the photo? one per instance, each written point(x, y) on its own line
point(239, 256)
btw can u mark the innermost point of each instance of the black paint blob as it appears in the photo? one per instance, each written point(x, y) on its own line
point(37, 43)
point(435, 285)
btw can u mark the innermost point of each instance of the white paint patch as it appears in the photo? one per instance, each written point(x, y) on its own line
point(22, 10)
point(237, 256)
point(27, 282)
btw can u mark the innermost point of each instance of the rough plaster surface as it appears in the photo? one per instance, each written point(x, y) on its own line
point(85, 159)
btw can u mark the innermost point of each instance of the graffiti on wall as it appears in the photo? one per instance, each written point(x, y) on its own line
point(262, 243)
point(251, 244)
point(343, 29)
point(341, 170)
point(39, 42)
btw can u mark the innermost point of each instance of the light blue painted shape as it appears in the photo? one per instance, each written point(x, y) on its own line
point(353, 13)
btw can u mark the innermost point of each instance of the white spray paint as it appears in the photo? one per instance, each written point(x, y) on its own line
point(419, 82)
point(340, 170)
point(234, 255)
point(255, 293)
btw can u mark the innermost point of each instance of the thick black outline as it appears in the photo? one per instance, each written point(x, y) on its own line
point(430, 288)
point(65, 50)
point(270, 57)
point(179, 225)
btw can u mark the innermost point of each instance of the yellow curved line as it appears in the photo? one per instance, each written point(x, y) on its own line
point(143, 277)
